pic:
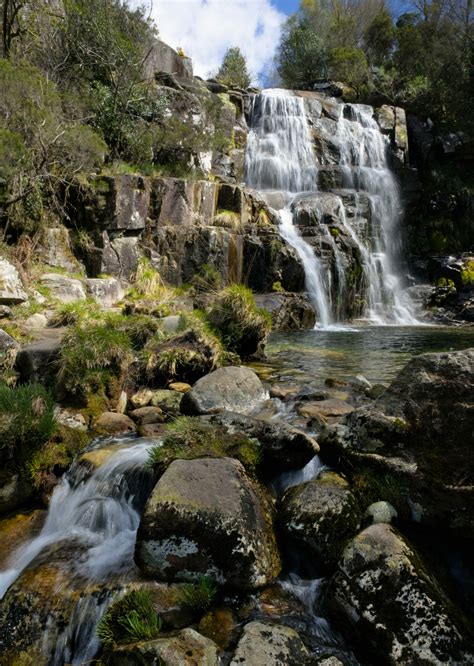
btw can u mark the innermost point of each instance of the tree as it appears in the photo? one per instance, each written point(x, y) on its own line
point(233, 72)
point(379, 38)
point(302, 55)
point(41, 151)
point(349, 65)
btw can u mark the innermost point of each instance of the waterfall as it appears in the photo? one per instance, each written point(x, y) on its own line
point(281, 163)
point(99, 515)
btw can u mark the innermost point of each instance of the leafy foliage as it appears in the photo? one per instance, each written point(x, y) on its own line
point(26, 420)
point(199, 596)
point(233, 72)
point(130, 619)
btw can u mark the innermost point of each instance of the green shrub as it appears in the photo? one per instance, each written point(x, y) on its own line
point(26, 421)
point(199, 596)
point(242, 326)
point(130, 619)
point(94, 357)
point(140, 328)
point(188, 438)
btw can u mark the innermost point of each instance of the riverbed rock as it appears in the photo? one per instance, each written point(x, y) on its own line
point(187, 648)
point(62, 288)
point(141, 398)
point(168, 401)
point(207, 517)
point(270, 644)
point(147, 415)
point(419, 433)
point(384, 599)
point(38, 362)
point(235, 389)
point(322, 513)
point(11, 286)
point(380, 512)
point(114, 424)
point(289, 311)
point(325, 408)
point(282, 445)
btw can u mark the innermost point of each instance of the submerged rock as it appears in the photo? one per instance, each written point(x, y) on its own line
point(234, 389)
point(270, 644)
point(322, 513)
point(206, 517)
point(187, 648)
point(282, 445)
point(419, 433)
point(384, 598)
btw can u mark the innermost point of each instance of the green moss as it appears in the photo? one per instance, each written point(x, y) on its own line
point(131, 619)
point(277, 287)
point(188, 438)
point(438, 241)
point(335, 232)
point(467, 273)
point(93, 359)
point(444, 282)
point(242, 326)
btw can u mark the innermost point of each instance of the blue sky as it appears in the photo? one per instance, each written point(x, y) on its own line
point(205, 29)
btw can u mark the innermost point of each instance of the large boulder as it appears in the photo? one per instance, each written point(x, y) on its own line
point(235, 389)
point(38, 362)
point(322, 513)
point(11, 286)
point(383, 597)
point(187, 648)
point(289, 311)
point(270, 645)
point(206, 517)
point(419, 433)
point(62, 288)
point(105, 291)
point(283, 446)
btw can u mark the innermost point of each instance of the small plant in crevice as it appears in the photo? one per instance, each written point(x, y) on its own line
point(129, 619)
point(199, 596)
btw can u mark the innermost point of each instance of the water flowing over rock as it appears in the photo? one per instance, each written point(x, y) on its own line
point(206, 517)
point(348, 238)
point(393, 606)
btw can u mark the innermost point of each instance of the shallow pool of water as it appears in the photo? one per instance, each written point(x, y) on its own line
point(378, 353)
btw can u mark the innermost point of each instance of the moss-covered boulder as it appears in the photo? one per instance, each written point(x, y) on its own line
point(322, 513)
point(270, 644)
point(207, 517)
point(383, 598)
point(417, 436)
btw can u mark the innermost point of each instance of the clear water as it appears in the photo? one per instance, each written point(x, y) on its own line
point(378, 353)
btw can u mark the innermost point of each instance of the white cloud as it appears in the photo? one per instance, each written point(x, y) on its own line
point(205, 29)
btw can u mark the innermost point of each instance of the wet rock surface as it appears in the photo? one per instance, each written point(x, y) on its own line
point(419, 431)
point(322, 513)
point(207, 517)
point(187, 648)
point(396, 610)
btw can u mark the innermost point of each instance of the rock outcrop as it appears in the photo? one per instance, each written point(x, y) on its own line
point(419, 431)
point(206, 517)
point(270, 644)
point(12, 290)
point(384, 598)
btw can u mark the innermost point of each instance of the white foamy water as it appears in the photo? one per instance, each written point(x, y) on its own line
point(97, 513)
point(281, 164)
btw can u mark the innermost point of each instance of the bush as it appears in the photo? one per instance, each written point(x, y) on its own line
point(130, 619)
point(26, 421)
point(242, 326)
point(93, 360)
point(188, 438)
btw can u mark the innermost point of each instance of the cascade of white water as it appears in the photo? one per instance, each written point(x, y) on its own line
point(280, 158)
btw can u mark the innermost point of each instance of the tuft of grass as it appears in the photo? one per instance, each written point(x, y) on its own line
point(140, 329)
point(199, 596)
point(94, 357)
point(131, 619)
point(242, 325)
point(228, 219)
point(70, 314)
point(26, 420)
point(207, 279)
point(188, 438)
